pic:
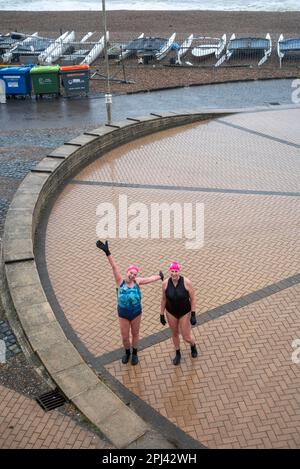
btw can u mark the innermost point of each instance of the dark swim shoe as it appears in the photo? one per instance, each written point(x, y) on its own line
point(177, 358)
point(194, 351)
point(134, 359)
point(126, 356)
point(125, 359)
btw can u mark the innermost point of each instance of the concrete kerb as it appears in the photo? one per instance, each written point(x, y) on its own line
point(25, 302)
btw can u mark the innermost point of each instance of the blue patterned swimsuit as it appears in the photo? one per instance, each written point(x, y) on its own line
point(129, 301)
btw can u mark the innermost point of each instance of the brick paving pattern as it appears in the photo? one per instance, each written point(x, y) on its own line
point(210, 155)
point(242, 391)
point(236, 259)
point(242, 388)
point(23, 424)
point(257, 122)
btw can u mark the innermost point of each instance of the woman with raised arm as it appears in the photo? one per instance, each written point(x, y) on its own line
point(129, 302)
point(178, 298)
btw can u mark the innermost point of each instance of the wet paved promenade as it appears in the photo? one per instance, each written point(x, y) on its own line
point(79, 113)
point(239, 271)
point(243, 389)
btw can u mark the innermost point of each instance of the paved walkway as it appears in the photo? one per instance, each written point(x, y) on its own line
point(46, 125)
point(82, 112)
point(243, 389)
point(24, 425)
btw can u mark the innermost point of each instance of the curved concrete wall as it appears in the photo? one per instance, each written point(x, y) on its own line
point(28, 310)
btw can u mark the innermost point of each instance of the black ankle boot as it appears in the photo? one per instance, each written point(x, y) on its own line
point(134, 358)
point(177, 358)
point(126, 357)
point(194, 352)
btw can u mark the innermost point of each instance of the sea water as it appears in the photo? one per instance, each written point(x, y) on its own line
point(225, 5)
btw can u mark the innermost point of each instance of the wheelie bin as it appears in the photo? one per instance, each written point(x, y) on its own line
point(45, 80)
point(17, 80)
point(75, 79)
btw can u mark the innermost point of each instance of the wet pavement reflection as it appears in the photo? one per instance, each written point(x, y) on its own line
point(81, 112)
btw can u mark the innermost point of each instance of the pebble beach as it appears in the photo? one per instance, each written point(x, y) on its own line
point(125, 25)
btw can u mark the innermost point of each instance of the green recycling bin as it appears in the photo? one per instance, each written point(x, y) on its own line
point(45, 80)
point(75, 79)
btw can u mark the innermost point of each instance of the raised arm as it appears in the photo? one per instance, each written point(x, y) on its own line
point(104, 247)
point(115, 269)
point(153, 278)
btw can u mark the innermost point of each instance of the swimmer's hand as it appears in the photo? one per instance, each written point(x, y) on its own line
point(161, 275)
point(193, 318)
point(103, 246)
point(163, 319)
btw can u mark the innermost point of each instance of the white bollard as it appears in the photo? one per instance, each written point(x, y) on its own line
point(2, 92)
point(108, 102)
point(2, 351)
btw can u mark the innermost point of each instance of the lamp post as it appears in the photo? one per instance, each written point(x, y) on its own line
point(108, 96)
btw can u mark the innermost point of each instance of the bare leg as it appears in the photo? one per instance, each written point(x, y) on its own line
point(124, 329)
point(135, 330)
point(185, 329)
point(174, 323)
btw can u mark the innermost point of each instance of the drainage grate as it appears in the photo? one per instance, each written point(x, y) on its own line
point(51, 400)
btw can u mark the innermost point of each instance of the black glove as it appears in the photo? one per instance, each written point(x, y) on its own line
point(163, 319)
point(103, 247)
point(193, 318)
point(161, 275)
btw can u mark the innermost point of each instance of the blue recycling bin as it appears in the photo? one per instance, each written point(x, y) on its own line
point(17, 80)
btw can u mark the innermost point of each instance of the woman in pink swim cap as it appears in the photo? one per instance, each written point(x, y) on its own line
point(129, 302)
point(178, 299)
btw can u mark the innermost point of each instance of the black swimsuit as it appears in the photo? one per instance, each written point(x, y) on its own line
point(177, 298)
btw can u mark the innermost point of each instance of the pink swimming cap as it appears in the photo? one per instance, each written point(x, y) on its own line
point(133, 267)
point(175, 266)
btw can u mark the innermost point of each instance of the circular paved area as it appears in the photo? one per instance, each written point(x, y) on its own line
point(243, 389)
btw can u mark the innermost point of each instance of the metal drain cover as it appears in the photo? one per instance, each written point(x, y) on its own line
point(51, 400)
